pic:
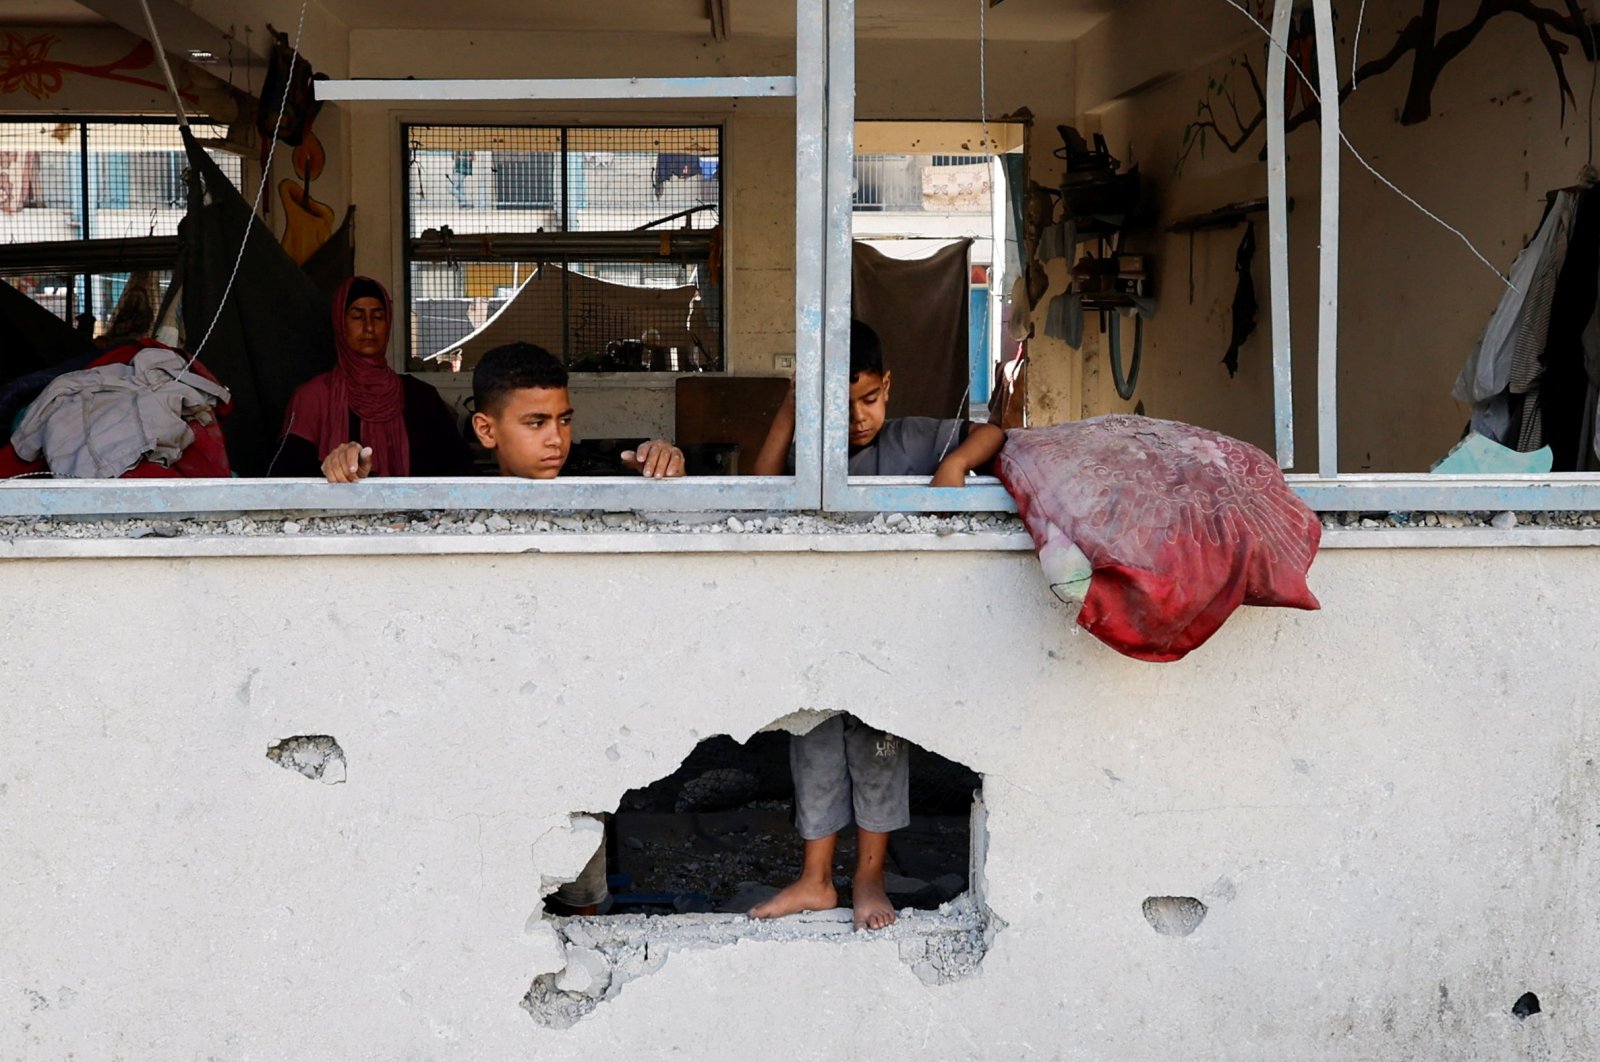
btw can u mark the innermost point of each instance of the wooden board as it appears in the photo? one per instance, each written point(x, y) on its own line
point(728, 409)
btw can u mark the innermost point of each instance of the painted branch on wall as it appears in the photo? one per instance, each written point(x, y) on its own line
point(1219, 117)
point(26, 66)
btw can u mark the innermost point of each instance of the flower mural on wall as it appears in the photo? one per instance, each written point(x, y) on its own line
point(1219, 116)
point(26, 66)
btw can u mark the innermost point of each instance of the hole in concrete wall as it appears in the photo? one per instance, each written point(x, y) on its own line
point(689, 854)
point(1174, 916)
point(717, 833)
point(1526, 1004)
point(317, 756)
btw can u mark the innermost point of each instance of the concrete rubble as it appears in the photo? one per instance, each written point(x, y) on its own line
point(1500, 521)
point(604, 953)
point(316, 756)
point(488, 523)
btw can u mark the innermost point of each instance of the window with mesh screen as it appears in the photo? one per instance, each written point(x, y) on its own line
point(601, 244)
point(88, 180)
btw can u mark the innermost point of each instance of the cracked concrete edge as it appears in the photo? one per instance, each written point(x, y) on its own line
point(940, 947)
point(561, 852)
point(608, 951)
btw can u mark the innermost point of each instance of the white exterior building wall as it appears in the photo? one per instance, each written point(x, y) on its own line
point(1389, 806)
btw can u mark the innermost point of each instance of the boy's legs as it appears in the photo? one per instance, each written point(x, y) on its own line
point(880, 783)
point(821, 809)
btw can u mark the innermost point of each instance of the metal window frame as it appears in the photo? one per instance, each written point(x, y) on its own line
point(824, 91)
point(802, 491)
point(1328, 489)
point(842, 492)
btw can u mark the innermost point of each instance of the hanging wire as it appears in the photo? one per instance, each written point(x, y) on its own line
point(983, 67)
point(1355, 43)
point(261, 188)
point(1311, 88)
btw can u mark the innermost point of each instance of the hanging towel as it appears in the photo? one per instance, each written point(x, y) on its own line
point(1522, 317)
point(919, 308)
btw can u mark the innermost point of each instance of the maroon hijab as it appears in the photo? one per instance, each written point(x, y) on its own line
point(320, 409)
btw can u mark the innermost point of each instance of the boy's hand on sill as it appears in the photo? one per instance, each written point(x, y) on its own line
point(949, 474)
point(348, 463)
point(656, 459)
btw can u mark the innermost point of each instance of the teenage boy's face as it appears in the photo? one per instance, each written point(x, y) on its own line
point(531, 432)
point(869, 400)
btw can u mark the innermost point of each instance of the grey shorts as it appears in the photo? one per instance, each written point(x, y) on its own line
point(845, 770)
point(590, 886)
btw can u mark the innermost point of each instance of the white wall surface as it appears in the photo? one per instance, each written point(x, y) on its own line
point(1390, 805)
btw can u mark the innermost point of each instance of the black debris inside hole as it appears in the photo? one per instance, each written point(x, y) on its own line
point(702, 837)
point(1526, 1004)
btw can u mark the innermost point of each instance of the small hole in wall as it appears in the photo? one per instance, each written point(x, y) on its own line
point(1174, 916)
point(1526, 1004)
point(718, 834)
point(316, 756)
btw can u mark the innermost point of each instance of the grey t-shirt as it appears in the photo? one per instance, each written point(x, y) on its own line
point(909, 446)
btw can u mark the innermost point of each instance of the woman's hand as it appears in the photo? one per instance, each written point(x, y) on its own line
point(656, 459)
point(348, 463)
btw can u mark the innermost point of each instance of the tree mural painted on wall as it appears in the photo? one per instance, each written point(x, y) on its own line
point(1220, 117)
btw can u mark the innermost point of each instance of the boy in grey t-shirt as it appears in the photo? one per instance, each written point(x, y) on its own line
point(843, 769)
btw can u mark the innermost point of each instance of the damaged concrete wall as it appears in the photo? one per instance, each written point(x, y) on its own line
point(1413, 299)
point(1387, 809)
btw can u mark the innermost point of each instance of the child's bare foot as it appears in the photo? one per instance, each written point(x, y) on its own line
point(872, 907)
point(803, 895)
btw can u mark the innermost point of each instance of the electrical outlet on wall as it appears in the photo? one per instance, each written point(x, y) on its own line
point(783, 362)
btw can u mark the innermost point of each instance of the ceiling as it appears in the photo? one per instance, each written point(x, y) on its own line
point(908, 19)
point(918, 19)
point(46, 13)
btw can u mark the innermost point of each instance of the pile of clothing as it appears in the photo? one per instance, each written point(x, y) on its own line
point(137, 410)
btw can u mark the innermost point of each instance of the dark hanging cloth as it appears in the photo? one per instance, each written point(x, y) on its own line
point(299, 106)
point(670, 165)
point(274, 332)
point(1564, 386)
point(919, 308)
point(1244, 299)
point(32, 338)
point(335, 261)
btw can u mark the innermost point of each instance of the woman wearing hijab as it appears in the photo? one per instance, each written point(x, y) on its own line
point(363, 418)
